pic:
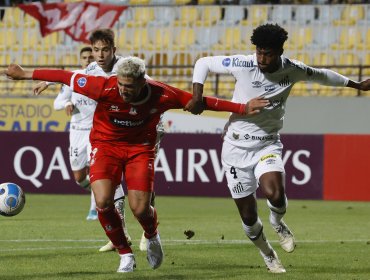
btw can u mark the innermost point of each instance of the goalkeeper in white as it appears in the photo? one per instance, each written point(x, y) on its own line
point(252, 150)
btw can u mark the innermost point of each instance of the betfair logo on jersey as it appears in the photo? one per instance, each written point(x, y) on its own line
point(267, 156)
point(238, 188)
point(127, 123)
point(82, 82)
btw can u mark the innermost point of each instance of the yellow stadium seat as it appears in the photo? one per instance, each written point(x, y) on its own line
point(257, 14)
point(209, 15)
point(230, 40)
point(300, 89)
point(157, 64)
point(184, 38)
point(206, 2)
point(159, 39)
point(188, 15)
point(68, 60)
point(139, 2)
point(12, 18)
point(28, 59)
point(365, 43)
point(138, 39)
point(351, 60)
point(141, 17)
point(323, 59)
point(46, 59)
point(121, 39)
point(303, 57)
point(366, 71)
point(348, 39)
point(8, 39)
point(299, 38)
point(183, 64)
point(350, 15)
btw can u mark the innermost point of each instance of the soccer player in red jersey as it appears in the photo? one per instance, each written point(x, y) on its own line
point(123, 141)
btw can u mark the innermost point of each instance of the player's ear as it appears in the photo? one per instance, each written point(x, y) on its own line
point(114, 50)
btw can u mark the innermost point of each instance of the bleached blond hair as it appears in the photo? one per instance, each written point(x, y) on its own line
point(131, 66)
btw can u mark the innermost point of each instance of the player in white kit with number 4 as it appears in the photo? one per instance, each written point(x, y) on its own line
point(252, 151)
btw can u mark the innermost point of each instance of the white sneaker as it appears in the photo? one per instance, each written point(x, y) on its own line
point(107, 247)
point(273, 263)
point(142, 245)
point(127, 263)
point(154, 251)
point(286, 238)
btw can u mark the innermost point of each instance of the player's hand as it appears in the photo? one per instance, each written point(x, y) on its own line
point(255, 105)
point(15, 72)
point(40, 87)
point(364, 85)
point(196, 107)
point(69, 109)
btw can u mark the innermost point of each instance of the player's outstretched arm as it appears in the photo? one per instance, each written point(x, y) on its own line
point(16, 72)
point(40, 87)
point(195, 105)
point(364, 85)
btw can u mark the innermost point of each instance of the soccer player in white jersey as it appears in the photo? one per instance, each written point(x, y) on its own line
point(252, 151)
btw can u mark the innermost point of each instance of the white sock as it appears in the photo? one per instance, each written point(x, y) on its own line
point(277, 214)
point(92, 203)
point(256, 235)
point(85, 183)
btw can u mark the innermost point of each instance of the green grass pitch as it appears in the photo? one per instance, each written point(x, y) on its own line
point(51, 239)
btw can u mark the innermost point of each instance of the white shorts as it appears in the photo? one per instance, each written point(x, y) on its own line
point(244, 166)
point(79, 149)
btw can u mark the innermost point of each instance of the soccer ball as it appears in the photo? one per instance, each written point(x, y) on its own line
point(12, 199)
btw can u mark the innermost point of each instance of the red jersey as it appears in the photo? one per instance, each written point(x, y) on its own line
point(132, 123)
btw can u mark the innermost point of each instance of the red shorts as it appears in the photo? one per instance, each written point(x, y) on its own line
point(134, 162)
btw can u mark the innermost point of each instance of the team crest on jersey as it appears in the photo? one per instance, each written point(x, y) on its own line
point(236, 136)
point(82, 82)
point(226, 62)
point(256, 84)
point(133, 111)
point(113, 108)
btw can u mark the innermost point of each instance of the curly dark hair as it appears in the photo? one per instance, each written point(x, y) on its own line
point(105, 35)
point(269, 36)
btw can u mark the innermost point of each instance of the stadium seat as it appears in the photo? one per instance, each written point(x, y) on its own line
point(281, 14)
point(7, 39)
point(159, 39)
point(349, 37)
point(139, 2)
point(205, 38)
point(188, 15)
point(206, 2)
point(350, 59)
point(69, 60)
point(256, 15)
point(161, 2)
point(366, 71)
point(141, 16)
point(47, 59)
point(349, 15)
point(158, 64)
point(299, 38)
point(28, 58)
point(323, 59)
point(305, 14)
point(183, 64)
point(12, 18)
point(137, 39)
point(365, 42)
point(230, 40)
point(303, 57)
point(184, 38)
point(300, 89)
point(163, 16)
point(209, 15)
point(232, 15)
point(323, 38)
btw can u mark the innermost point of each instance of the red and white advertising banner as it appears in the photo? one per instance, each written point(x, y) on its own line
point(76, 19)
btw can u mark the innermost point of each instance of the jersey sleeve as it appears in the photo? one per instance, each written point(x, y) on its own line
point(90, 86)
point(62, 98)
point(321, 76)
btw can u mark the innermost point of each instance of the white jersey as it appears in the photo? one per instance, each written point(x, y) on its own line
point(252, 131)
point(84, 107)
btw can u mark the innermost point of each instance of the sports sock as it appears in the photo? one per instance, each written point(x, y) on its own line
point(111, 223)
point(277, 213)
point(150, 224)
point(92, 202)
point(256, 235)
point(85, 183)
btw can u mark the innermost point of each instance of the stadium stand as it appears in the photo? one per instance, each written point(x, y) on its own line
point(170, 38)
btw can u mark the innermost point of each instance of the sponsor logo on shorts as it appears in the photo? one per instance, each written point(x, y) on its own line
point(259, 138)
point(82, 82)
point(238, 188)
point(92, 156)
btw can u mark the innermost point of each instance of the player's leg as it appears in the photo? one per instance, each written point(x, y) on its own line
point(119, 203)
point(253, 228)
point(139, 175)
point(111, 222)
point(105, 174)
point(238, 164)
point(270, 171)
point(142, 244)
